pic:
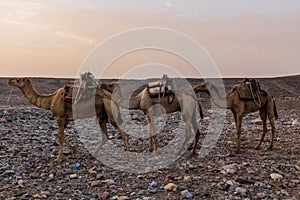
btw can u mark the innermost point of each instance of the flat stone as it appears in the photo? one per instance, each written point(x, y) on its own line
point(103, 195)
point(123, 198)
point(276, 177)
point(186, 194)
point(232, 168)
point(261, 195)
point(95, 183)
point(9, 172)
point(240, 191)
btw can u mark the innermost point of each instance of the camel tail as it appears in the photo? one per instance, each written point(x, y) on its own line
point(275, 111)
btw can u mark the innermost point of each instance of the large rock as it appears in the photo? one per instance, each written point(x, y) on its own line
point(171, 187)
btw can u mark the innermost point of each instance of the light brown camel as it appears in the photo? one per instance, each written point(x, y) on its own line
point(239, 108)
point(184, 102)
point(55, 102)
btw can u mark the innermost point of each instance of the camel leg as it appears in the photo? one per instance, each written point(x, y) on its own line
point(62, 123)
point(152, 138)
point(200, 109)
point(263, 116)
point(271, 119)
point(124, 136)
point(238, 123)
point(188, 127)
point(272, 115)
point(197, 135)
point(234, 115)
point(103, 123)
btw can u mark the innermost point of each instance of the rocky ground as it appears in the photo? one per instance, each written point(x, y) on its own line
point(29, 146)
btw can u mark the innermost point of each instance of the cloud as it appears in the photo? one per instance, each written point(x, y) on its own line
point(73, 36)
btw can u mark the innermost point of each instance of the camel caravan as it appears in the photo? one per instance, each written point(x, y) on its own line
point(76, 99)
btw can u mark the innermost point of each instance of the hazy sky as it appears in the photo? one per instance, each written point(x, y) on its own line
point(51, 38)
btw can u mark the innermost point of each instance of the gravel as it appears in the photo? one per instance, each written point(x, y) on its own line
point(29, 146)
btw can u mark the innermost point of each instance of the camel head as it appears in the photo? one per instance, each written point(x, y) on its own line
point(202, 87)
point(109, 86)
point(19, 82)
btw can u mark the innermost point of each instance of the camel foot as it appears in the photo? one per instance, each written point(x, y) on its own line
point(58, 160)
point(237, 151)
point(191, 146)
point(193, 154)
point(150, 151)
point(270, 147)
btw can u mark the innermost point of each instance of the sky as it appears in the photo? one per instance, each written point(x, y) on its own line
point(244, 38)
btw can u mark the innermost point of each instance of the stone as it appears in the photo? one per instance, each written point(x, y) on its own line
point(3, 120)
point(95, 183)
point(73, 176)
point(51, 176)
point(241, 191)
point(297, 167)
point(103, 195)
point(276, 177)
point(153, 191)
point(20, 182)
point(206, 118)
point(109, 181)
point(261, 195)
point(186, 194)
point(187, 178)
point(256, 121)
point(9, 172)
point(232, 168)
point(295, 122)
point(92, 171)
point(122, 198)
point(152, 184)
point(171, 187)
point(34, 175)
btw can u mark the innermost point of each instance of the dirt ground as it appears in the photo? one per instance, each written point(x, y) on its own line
point(29, 146)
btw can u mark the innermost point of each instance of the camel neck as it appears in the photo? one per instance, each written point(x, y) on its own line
point(131, 103)
point(41, 101)
point(217, 99)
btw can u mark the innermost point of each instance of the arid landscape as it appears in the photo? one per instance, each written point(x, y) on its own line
point(29, 146)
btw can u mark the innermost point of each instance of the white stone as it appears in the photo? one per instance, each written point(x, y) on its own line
point(275, 176)
point(73, 176)
point(256, 121)
point(240, 191)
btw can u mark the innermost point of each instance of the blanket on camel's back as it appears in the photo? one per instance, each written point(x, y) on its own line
point(79, 102)
point(160, 88)
point(249, 90)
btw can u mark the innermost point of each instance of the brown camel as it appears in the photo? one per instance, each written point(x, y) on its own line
point(184, 102)
point(55, 102)
point(239, 108)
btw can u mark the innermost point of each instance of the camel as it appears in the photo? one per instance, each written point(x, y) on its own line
point(56, 104)
point(240, 108)
point(184, 102)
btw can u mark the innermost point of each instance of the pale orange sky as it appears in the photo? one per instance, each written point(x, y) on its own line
point(52, 38)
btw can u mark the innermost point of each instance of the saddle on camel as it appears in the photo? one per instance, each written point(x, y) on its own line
point(250, 90)
point(161, 89)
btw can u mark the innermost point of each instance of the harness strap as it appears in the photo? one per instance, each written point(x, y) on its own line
point(258, 96)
